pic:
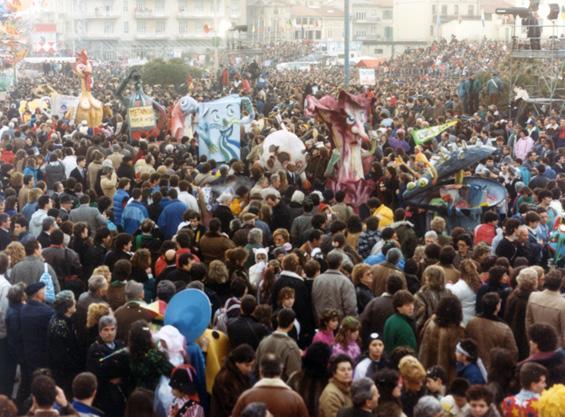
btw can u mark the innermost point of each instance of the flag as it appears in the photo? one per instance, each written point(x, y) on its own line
point(421, 136)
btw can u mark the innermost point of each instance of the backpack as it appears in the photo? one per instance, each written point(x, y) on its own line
point(221, 316)
point(47, 279)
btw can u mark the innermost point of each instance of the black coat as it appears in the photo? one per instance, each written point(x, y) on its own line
point(364, 296)
point(5, 239)
point(245, 329)
point(281, 216)
point(65, 359)
point(94, 258)
point(110, 398)
point(224, 214)
point(34, 319)
point(80, 178)
point(302, 304)
point(114, 256)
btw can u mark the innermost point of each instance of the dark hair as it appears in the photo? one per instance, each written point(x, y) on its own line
point(43, 201)
point(479, 392)
point(248, 304)
point(490, 216)
point(101, 234)
point(401, 298)
point(449, 311)
point(490, 301)
point(437, 372)
point(553, 280)
point(285, 317)
point(242, 354)
point(238, 286)
point(447, 255)
point(140, 404)
point(140, 340)
point(84, 385)
point(315, 360)
point(121, 270)
point(544, 336)
point(387, 233)
point(502, 367)
point(31, 246)
point(469, 346)
point(465, 238)
point(459, 387)
point(57, 237)
point(121, 240)
point(336, 360)
point(165, 290)
point(185, 258)
point(334, 260)
point(495, 274)
point(386, 381)
point(270, 366)
point(215, 225)
point(43, 390)
point(432, 251)
point(4, 263)
point(394, 283)
point(531, 373)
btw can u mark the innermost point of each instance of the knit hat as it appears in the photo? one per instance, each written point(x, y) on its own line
point(183, 378)
point(33, 288)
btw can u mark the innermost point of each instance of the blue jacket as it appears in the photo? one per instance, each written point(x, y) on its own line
point(133, 215)
point(471, 373)
point(119, 203)
point(171, 217)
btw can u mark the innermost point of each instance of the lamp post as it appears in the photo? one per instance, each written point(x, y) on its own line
point(346, 45)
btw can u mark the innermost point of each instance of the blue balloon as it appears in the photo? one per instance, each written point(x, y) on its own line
point(189, 311)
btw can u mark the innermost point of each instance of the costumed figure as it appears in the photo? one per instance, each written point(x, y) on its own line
point(217, 124)
point(346, 118)
point(557, 242)
point(89, 108)
point(283, 150)
point(145, 116)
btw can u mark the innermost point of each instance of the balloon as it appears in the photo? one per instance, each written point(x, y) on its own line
point(189, 311)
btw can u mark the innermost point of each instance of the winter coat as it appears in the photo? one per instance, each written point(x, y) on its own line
point(30, 269)
point(280, 400)
point(515, 316)
point(438, 346)
point(109, 397)
point(490, 333)
point(132, 216)
point(364, 296)
point(34, 319)
point(170, 218)
point(333, 290)
point(335, 396)
point(553, 361)
point(381, 273)
point(129, 313)
point(119, 199)
point(245, 329)
point(374, 316)
point(65, 357)
point(546, 307)
point(302, 304)
point(213, 247)
point(54, 171)
point(399, 331)
point(36, 222)
point(310, 386)
point(285, 349)
point(425, 305)
point(89, 215)
point(229, 384)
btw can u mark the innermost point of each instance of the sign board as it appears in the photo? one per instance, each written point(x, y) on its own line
point(61, 105)
point(141, 117)
point(367, 76)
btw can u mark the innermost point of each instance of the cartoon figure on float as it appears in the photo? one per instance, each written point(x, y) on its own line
point(346, 117)
point(89, 108)
point(217, 124)
point(283, 150)
point(145, 116)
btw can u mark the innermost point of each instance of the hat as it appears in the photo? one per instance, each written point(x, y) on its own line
point(297, 197)
point(32, 289)
point(183, 378)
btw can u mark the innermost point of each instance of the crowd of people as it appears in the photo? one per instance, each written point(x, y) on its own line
point(319, 308)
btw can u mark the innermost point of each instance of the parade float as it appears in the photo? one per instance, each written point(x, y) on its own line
point(89, 109)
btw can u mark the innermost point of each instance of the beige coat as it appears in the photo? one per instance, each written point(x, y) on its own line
point(108, 185)
point(334, 397)
point(489, 334)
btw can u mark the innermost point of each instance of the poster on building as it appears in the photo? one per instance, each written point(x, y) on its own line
point(44, 38)
point(367, 76)
point(62, 106)
point(141, 118)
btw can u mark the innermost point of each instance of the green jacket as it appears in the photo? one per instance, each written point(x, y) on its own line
point(399, 332)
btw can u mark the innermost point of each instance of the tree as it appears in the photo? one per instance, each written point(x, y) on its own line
point(173, 71)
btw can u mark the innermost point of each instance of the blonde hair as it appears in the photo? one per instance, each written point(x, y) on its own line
point(95, 311)
point(349, 324)
point(104, 271)
point(438, 224)
point(434, 278)
point(16, 252)
point(358, 271)
point(217, 272)
point(283, 233)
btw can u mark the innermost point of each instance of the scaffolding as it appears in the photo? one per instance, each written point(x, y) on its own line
point(537, 67)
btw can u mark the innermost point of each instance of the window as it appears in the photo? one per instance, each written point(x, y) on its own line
point(125, 5)
point(199, 6)
point(444, 10)
point(126, 27)
point(318, 34)
point(160, 27)
point(109, 27)
point(141, 26)
point(183, 7)
point(434, 9)
point(388, 33)
point(387, 14)
point(378, 51)
point(471, 10)
point(183, 27)
point(108, 10)
point(456, 10)
point(432, 30)
point(360, 15)
point(140, 5)
point(159, 6)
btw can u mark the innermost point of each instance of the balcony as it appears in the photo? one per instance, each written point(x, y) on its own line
point(99, 14)
point(196, 35)
point(100, 36)
point(152, 35)
point(195, 14)
point(150, 14)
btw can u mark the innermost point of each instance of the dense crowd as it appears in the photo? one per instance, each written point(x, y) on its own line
point(319, 308)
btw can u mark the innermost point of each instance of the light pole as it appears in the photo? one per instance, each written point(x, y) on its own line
point(346, 45)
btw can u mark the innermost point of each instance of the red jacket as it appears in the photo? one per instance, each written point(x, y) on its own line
point(484, 233)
